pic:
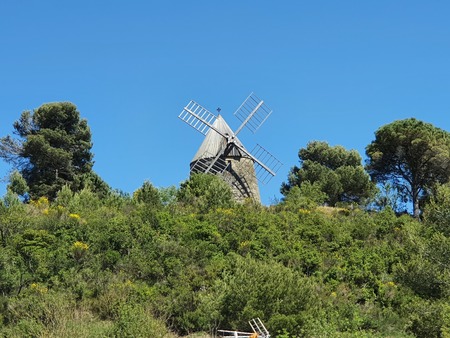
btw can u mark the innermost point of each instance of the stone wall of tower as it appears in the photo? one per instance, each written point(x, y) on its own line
point(241, 176)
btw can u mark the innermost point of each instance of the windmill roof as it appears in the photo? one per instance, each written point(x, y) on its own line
point(214, 142)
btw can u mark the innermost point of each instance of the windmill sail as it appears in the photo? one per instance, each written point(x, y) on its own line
point(208, 163)
point(266, 165)
point(253, 112)
point(197, 117)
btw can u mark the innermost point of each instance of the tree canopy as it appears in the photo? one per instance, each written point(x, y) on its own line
point(148, 194)
point(338, 173)
point(53, 149)
point(205, 192)
point(411, 155)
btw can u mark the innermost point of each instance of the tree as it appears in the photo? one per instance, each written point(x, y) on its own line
point(437, 211)
point(205, 191)
point(148, 195)
point(17, 184)
point(338, 173)
point(306, 196)
point(411, 155)
point(53, 149)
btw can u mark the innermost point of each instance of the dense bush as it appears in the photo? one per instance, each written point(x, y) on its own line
point(152, 266)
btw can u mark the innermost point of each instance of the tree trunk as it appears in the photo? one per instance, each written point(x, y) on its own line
point(416, 209)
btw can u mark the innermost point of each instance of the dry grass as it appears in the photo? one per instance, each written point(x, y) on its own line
point(332, 211)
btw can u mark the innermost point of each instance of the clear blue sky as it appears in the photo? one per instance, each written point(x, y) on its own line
point(331, 70)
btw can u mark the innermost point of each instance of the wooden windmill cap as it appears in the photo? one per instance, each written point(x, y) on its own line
point(214, 142)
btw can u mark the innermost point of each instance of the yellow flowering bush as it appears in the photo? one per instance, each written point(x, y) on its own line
point(74, 216)
point(304, 211)
point(40, 203)
point(40, 289)
point(225, 211)
point(79, 250)
point(80, 246)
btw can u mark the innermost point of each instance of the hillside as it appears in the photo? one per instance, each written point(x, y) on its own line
point(121, 266)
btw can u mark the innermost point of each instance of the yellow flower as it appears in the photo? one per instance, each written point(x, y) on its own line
point(80, 246)
point(244, 244)
point(225, 211)
point(74, 216)
point(43, 200)
point(79, 249)
point(303, 211)
point(41, 203)
point(38, 288)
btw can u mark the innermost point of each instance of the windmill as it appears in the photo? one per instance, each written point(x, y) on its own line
point(222, 153)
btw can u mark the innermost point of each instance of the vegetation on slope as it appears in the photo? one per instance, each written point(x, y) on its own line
point(129, 266)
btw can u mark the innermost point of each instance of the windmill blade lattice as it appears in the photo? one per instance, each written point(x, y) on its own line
point(209, 163)
point(266, 165)
point(259, 331)
point(199, 118)
point(253, 112)
point(258, 327)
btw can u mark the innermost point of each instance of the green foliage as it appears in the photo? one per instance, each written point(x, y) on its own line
point(427, 272)
point(136, 321)
point(250, 285)
point(92, 182)
point(40, 312)
point(119, 266)
point(388, 197)
point(426, 319)
point(148, 195)
point(306, 196)
point(337, 171)
point(17, 184)
point(437, 211)
point(35, 247)
point(412, 156)
point(54, 150)
point(206, 192)
point(168, 195)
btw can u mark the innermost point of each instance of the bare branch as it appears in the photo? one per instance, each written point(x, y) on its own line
point(11, 150)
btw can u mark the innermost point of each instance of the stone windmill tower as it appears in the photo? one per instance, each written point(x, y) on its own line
point(222, 153)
